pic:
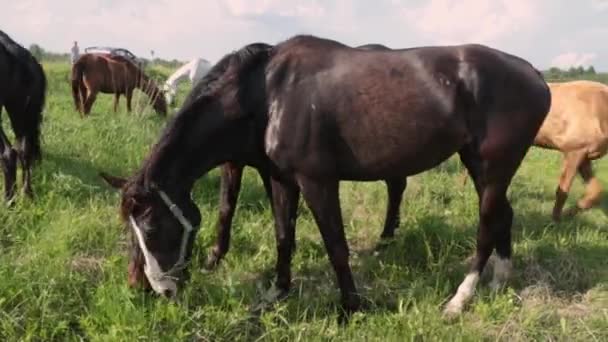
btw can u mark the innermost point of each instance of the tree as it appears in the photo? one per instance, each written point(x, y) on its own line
point(591, 70)
point(37, 51)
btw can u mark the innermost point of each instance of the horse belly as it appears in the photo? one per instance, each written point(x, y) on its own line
point(400, 151)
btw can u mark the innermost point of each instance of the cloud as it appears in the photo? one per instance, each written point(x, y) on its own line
point(599, 5)
point(573, 59)
point(472, 21)
point(252, 8)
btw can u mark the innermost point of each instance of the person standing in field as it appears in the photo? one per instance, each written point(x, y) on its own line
point(75, 53)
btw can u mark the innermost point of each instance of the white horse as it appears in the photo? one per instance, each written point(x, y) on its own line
point(193, 70)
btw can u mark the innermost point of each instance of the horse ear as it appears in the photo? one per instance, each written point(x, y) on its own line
point(115, 182)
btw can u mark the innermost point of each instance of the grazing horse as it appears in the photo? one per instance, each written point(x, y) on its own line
point(193, 70)
point(93, 73)
point(22, 93)
point(231, 176)
point(324, 112)
point(577, 125)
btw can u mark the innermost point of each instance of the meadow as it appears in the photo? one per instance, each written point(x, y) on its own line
point(63, 256)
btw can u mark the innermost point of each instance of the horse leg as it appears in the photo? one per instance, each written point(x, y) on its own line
point(571, 163)
point(285, 210)
point(593, 187)
point(26, 172)
point(88, 104)
point(8, 162)
point(395, 187)
point(129, 95)
point(116, 98)
point(495, 220)
point(324, 202)
point(229, 193)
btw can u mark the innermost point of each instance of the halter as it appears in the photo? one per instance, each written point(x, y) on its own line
point(152, 268)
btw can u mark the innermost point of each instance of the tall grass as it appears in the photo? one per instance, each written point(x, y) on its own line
point(63, 257)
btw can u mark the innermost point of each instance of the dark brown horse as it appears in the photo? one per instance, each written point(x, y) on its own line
point(22, 93)
point(324, 112)
point(231, 176)
point(93, 73)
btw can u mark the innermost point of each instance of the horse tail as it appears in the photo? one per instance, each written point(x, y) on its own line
point(77, 75)
point(27, 131)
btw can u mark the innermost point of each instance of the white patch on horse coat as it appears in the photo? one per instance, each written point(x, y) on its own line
point(275, 115)
point(463, 295)
point(502, 272)
point(159, 283)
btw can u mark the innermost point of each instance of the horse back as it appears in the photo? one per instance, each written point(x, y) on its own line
point(365, 107)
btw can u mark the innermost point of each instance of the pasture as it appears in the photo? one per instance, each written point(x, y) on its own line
point(63, 256)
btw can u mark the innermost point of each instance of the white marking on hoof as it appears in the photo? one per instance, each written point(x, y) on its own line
point(462, 296)
point(502, 272)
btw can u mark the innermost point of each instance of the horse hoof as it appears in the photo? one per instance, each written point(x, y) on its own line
point(211, 263)
point(272, 296)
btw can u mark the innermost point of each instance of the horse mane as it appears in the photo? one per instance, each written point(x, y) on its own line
point(230, 68)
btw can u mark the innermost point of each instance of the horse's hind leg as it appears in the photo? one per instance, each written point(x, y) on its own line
point(229, 193)
point(395, 188)
point(323, 200)
point(116, 100)
point(88, 103)
point(572, 160)
point(491, 181)
point(593, 188)
point(26, 170)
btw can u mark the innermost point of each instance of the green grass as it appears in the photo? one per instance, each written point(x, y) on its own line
point(63, 256)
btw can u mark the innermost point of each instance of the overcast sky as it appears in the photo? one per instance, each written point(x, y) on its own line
point(546, 32)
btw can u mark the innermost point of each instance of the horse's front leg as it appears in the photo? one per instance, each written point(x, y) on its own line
point(395, 188)
point(229, 192)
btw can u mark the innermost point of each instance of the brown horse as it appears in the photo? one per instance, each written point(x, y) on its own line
point(323, 112)
point(94, 73)
point(22, 94)
point(577, 125)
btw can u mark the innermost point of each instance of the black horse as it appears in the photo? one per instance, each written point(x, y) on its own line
point(323, 112)
point(22, 93)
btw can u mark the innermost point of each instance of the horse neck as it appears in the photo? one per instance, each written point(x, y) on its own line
point(147, 85)
point(179, 75)
point(176, 162)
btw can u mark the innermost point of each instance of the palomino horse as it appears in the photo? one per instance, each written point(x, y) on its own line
point(324, 112)
point(22, 93)
point(193, 70)
point(94, 73)
point(577, 125)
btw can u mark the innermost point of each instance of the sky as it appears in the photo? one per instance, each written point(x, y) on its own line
point(547, 33)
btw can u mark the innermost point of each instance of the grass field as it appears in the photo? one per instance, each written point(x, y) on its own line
point(63, 256)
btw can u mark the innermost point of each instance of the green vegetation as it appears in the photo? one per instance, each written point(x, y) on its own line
point(63, 257)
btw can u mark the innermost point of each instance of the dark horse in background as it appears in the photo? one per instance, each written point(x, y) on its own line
point(323, 112)
point(22, 94)
point(93, 73)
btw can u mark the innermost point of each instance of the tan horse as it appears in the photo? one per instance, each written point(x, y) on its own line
point(94, 73)
point(577, 125)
